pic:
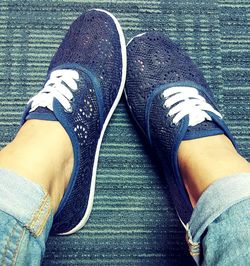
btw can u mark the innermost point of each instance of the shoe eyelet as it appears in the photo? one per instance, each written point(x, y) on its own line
point(167, 116)
point(172, 124)
point(69, 110)
point(162, 96)
point(164, 106)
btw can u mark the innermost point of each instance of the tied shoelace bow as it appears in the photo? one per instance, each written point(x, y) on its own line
point(184, 101)
point(59, 86)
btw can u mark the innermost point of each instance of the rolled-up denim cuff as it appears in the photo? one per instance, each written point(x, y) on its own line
point(216, 199)
point(26, 201)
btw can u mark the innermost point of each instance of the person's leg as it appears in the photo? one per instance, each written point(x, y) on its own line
point(218, 232)
point(173, 105)
point(36, 163)
point(217, 179)
point(52, 161)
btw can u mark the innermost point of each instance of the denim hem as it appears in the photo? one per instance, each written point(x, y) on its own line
point(25, 200)
point(216, 199)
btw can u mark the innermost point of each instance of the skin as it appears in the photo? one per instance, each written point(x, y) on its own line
point(203, 161)
point(41, 152)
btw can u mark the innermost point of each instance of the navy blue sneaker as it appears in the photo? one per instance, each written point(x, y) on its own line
point(170, 101)
point(85, 81)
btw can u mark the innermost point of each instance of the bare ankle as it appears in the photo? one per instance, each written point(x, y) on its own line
point(203, 161)
point(41, 152)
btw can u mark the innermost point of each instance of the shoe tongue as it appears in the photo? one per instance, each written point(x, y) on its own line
point(41, 113)
point(204, 129)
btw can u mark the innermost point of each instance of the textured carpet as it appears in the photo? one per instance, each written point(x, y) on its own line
point(133, 221)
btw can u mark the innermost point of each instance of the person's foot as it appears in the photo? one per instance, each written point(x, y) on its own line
point(84, 84)
point(174, 107)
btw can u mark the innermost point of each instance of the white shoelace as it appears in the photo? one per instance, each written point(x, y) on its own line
point(187, 101)
point(59, 86)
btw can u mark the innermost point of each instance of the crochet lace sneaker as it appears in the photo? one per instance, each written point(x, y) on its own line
point(85, 81)
point(170, 101)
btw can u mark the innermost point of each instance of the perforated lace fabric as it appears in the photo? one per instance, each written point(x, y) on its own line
point(95, 46)
point(154, 61)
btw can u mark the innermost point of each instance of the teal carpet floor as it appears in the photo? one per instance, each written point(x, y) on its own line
point(133, 220)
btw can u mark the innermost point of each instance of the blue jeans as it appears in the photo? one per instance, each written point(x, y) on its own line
point(218, 232)
point(25, 220)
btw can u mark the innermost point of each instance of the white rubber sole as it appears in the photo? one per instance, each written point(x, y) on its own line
point(106, 122)
point(136, 36)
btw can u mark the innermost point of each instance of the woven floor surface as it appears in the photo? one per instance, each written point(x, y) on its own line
point(133, 220)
